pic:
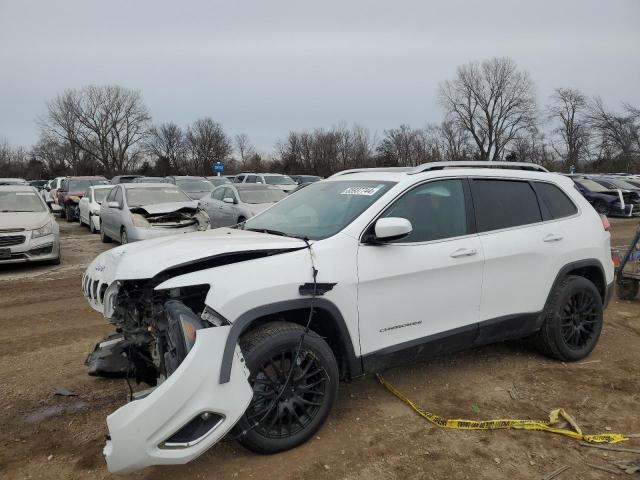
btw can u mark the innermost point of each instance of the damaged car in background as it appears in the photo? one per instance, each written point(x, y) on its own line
point(251, 328)
point(140, 211)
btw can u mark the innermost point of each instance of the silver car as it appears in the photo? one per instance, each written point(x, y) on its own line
point(231, 204)
point(139, 211)
point(28, 230)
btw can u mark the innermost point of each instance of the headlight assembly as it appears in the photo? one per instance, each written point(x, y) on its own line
point(139, 221)
point(46, 229)
point(109, 302)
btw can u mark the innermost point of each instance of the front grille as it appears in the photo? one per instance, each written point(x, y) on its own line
point(11, 230)
point(9, 240)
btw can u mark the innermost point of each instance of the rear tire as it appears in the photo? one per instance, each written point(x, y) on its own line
point(241, 219)
point(62, 211)
point(627, 289)
point(308, 398)
point(124, 238)
point(572, 320)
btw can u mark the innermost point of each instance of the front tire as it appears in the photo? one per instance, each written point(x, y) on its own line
point(124, 238)
point(277, 419)
point(572, 320)
point(601, 207)
point(92, 228)
point(104, 237)
point(627, 289)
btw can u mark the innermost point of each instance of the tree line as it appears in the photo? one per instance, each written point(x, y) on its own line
point(491, 112)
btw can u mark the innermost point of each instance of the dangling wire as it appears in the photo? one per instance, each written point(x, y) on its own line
point(294, 360)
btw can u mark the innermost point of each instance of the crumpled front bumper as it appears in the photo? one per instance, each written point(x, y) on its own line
point(138, 428)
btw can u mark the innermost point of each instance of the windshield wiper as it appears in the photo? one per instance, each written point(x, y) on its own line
point(276, 232)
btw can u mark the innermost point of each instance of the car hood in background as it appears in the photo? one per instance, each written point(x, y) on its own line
point(198, 195)
point(169, 207)
point(26, 220)
point(148, 258)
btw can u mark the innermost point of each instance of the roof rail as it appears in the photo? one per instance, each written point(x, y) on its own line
point(373, 169)
point(426, 167)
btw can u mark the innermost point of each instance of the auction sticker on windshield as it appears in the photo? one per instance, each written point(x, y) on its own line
point(361, 191)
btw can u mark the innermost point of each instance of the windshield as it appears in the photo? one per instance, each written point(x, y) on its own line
point(261, 196)
point(278, 180)
point(215, 181)
point(137, 197)
point(20, 202)
point(194, 185)
point(77, 185)
point(100, 194)
point(592, 186)
point(321, 209)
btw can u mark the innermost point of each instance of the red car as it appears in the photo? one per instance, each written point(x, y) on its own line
point(71, 191)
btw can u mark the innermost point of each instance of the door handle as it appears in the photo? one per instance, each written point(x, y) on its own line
point(464, 252)
point(220, 207)
point(552, 237)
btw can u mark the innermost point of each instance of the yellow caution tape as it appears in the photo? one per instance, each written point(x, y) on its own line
point(506, 424)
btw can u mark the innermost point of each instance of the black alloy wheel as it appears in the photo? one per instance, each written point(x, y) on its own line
point(284, 413)
point(579, 319)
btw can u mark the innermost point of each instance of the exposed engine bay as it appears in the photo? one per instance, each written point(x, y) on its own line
point(184, 217)
point(155, 330)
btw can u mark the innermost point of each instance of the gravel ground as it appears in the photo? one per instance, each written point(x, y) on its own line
point(47, 329)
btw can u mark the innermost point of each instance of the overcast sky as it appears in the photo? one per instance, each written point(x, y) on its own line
point(265, 67)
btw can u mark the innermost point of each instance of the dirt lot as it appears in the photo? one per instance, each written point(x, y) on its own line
point(47, 329)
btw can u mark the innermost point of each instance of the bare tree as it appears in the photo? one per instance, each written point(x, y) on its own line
point(568, 109)
point(617, 134)
point(102, 122)
point(166, 142)
point(493, 101)
point(245, 149)
point(207, 143)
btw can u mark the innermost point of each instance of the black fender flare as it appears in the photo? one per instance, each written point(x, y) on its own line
point(243, 322)
point(587, 262)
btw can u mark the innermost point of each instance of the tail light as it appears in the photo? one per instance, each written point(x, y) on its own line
point(605, 223)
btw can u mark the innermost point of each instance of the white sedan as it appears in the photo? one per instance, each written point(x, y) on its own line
point(90, 206)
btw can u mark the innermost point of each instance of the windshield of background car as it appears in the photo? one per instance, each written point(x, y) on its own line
point(100, 194)
point(261, 196)
point(194, 185)
point(320, 210)
point(77, 185)
point(592, 186)
point(621, 184)
point(20, 202)
point(137, 197)
point(278, 180)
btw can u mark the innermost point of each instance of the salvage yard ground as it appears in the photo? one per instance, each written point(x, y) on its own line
point(47, 329)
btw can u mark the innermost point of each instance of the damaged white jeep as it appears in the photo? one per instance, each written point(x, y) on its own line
point(249, 329)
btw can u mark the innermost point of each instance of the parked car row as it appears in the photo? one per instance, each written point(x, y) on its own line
point(611, 195)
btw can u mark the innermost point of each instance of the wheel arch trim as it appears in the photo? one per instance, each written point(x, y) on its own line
point(244, 321)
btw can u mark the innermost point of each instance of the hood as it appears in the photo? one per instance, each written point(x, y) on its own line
point(78, 193)
point(156, 208)
point(26, 220)
point(285, 188)
point(146, 259)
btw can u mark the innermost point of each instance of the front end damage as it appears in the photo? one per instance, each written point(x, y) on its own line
point(171, 341)
point(182, 218)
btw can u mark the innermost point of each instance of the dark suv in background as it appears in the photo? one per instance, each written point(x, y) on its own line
point(71, 191)
point(608, 200)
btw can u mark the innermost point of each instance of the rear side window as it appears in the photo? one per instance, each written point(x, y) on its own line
point(504, 204)
point(555, 200)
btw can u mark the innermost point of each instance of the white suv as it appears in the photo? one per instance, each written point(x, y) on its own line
point(252, 327)
point(283, 182)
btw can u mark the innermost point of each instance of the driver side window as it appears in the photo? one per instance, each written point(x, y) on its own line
point(436, 210)
point(118, 197)
point(218, 193)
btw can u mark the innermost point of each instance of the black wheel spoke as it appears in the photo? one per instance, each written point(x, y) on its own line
point(579, 317)
point(287, 394)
